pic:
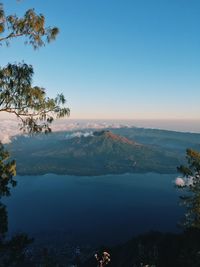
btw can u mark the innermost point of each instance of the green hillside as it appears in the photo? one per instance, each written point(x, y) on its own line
point(102, 152)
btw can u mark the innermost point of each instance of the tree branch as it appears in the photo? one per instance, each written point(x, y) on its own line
point(12, 35)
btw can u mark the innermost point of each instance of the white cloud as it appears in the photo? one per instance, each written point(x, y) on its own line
point(66, 125)
point(180, 182)
point(185, 181)
point(10, 127)
point(79, 134)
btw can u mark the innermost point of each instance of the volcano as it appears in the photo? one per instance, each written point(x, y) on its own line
point(102, 152)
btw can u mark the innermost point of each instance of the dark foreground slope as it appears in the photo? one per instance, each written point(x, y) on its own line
point(100, 153)
point(155, 250)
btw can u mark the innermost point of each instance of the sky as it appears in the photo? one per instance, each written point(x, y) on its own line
point(117, 59)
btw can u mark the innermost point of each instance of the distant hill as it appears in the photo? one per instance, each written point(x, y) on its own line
point(170, 140)
point(97, 153)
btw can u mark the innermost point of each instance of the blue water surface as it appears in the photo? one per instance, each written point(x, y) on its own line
point(94, 210)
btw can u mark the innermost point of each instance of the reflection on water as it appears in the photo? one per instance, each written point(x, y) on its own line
point(94, 210)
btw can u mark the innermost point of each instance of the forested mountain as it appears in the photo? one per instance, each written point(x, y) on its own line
point(102, 152)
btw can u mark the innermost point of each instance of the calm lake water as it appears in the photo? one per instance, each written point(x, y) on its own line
point(94, 210)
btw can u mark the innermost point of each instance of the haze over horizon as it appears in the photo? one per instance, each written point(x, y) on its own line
point(118, 59)
point(9, 126)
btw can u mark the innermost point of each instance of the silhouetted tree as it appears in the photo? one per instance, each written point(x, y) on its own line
point(12, 251)
point(189, 183)
point(7, 171)
point(3, 222)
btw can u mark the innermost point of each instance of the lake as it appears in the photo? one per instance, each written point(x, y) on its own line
point(93, 210)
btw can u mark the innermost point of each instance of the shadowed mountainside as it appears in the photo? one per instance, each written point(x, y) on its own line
point(102, 152)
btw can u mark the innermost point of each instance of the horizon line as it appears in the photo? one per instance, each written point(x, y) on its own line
point(128, 119)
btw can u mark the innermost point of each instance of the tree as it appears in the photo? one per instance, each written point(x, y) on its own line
point(189, 183)
point(12, 251)
point(31, 26)
point(3, 222)
point(30, 104)
point(7, 171)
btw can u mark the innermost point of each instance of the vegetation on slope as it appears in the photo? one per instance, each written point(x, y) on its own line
point(100, 153)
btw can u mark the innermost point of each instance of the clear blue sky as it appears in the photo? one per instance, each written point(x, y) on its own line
point(116, 59)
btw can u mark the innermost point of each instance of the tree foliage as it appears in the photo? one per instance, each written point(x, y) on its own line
point(190, 185)
point(12, 251)
point(7, 171)
point(30, 104)
point(3, 222)
point(31, 26)
point(17, 96)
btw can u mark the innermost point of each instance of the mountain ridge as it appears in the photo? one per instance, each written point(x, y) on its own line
point(101, 152)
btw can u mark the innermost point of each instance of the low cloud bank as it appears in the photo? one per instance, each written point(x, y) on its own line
point(78, 134)
point(10, 127)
